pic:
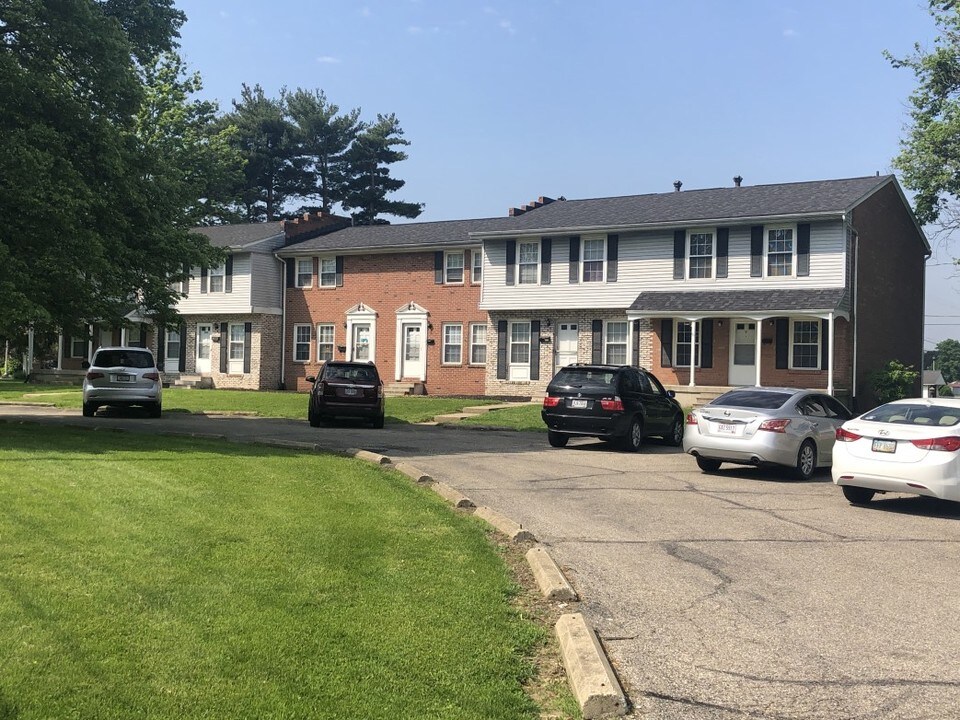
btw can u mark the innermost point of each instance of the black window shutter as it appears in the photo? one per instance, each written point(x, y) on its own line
point(723, 251)
point(291, 272)
point(501, 350)
point(438, 267)
point(666, 342)
point(161, 346)
point(824, 345)
point(182, 366)
point(597, 341)
point(636, 343)
point(511, 260)
point(613, 256)
point(534, 349)
point(247, 332)
point(546, 256)
point(783, 343)
point(224, 346)
point(706, 343)
point(803, 249)
point(679, 253)
point(142, 339)
point(339, 271)
point(228, 275)
point(574, 259)
point(756, 251)
point(203, 280)
point(185, 283)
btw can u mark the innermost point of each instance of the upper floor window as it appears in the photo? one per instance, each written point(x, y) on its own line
point(529, 265)
point(594, 253)
point(328, 272)
point(453, 268)
point(700, 255)
point(615, 342)
point(304, 273)
point(779, 249)
point(477, 269)
point(686, 344)
point(216, 278)
point(805, 345)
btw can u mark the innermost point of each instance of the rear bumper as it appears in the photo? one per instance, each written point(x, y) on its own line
point(762, 449)
point(602, 426)
point(122, 396)
point(351, 409)
point(937, 481)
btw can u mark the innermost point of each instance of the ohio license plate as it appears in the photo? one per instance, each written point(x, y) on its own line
point(349, 391)
point(726, 428)
point(884, 446)
point(124, 378)
point(579, 404)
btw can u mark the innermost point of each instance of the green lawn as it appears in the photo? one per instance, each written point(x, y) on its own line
point(523, 417)
point(167, 578)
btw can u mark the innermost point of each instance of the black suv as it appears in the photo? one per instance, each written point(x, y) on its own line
point(611, 402)
point(346, 389)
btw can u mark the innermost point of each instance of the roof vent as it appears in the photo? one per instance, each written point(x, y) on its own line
point(737, 180)
point(677, 185)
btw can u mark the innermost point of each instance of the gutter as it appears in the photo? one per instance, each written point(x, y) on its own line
point(283, 320)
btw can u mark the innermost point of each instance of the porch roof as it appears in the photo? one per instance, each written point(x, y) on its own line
point(725, 303)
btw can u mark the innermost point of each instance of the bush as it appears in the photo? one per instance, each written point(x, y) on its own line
point(894, 382)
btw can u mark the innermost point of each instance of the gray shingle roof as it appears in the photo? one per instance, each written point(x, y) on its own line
point(725, 302)
point(241, 235)
point(756, 201)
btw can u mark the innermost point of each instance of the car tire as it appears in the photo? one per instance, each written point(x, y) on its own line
point(806, 461)
point(155, 410)
point(89, 409)
point(634, 438)
point(675, 436)
point(708, 465)
point(556, 439)
point(857, 495)
point(378, 422)
point(313, 417)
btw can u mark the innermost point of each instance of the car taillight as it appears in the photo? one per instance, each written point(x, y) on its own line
point(691, 419)
point(613, 404)
point(549, 402)
point(379, 391)
point(152, 376)
point(846, 435)
point(94, 375)
point(777, 426)
point(946, 444)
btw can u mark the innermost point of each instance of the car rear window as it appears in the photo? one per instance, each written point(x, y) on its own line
point(584, 378)
point(125, 358)
point(354, 373)
point(764, 400)
point(918, 414)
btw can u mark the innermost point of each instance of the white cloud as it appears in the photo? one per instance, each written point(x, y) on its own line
point(366, 12)
point(790, 32)
point(508, 26)
point(328, 60)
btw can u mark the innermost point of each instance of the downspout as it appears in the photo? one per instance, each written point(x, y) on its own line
point(853, 311)
point(283, 320)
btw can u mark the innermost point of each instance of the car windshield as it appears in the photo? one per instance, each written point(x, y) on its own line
point(585, 378)
point(350, 373)
point(123, 358)
point(762, 399)
point(914, 414)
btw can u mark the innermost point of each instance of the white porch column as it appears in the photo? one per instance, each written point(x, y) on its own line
point(830, 320)
point(90, 343)
point(29, 369)
point(60, 351)
point(123, 336)
point(693, 349)
point(757, 344)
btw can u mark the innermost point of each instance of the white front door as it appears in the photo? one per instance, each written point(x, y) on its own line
point(412, 358)
point(203, 348)
point(568, 335)
point(361, 342)
point(171, 353)
point(743, 352)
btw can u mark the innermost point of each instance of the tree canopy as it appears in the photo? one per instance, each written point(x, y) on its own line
point(948, 359)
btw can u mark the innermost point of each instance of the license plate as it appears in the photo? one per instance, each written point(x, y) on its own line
point(884, 446)
point(726, 428)
point(124, 378)
point(350, 391)
point(580, 404)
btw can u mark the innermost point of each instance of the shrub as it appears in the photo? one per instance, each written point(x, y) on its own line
point(893, 382)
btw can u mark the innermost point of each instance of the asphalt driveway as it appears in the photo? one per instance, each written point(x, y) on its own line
point(739, 594)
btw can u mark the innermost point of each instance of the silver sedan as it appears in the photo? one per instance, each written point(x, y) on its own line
point(766, 426)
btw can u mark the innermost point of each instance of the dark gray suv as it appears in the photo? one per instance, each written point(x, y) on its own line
point(611, 402)
point(346, 389)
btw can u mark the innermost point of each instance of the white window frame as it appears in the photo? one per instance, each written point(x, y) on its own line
point(233, 362)
point(217, 273)
point(521, 265)
point(301, 273)
point(677, 343)
point(447, 345)
point(819, 354)
point(168, 342)
point(518, 370)
point(476, 266)
point(332, 344)
point(476, 344)
point(298, 342)
point(84, 345)
point(447, 256)
point(766, 250)
point(607, 345)
point(327, 278)
point(602, 260)
point(712, 270)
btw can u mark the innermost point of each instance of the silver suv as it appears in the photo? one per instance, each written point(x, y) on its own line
point(122, 376)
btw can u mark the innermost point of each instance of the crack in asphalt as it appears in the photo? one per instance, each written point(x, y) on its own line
point(713, 706)
point(772, 541)
point(850, 682)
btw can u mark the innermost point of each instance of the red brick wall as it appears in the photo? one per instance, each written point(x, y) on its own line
point(385, 283)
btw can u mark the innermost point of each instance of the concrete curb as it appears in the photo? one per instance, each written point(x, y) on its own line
point(375, 458)
point(553, 584)
point(588, 671)
point(455, 497)
point(413, 473)
point(508, 527)
point(290, 444)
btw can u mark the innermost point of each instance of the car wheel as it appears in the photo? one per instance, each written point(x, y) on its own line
point(89, 409)
point(675, 437)
point(806, 461)
point(556, 439)
point(634, 437)
point(155, 410)
point(708, 465)
point(378, 422)
point(858, 495)
point(314, 417)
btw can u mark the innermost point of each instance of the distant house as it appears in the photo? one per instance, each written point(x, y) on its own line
point(932, 381)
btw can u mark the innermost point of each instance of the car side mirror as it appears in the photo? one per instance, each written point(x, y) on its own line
point(671, 393)
point(310, 378)
point(85, 365)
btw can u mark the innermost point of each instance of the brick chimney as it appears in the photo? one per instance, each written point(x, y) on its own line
point(311, 225)
point(533, 205)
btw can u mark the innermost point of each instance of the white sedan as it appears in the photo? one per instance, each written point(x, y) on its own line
point(906, 446)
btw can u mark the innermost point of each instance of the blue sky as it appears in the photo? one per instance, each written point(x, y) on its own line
point(504, 102)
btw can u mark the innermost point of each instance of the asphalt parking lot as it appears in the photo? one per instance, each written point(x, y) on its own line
point(738, 594)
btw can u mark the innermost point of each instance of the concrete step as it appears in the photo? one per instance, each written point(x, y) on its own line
point(399, 389)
